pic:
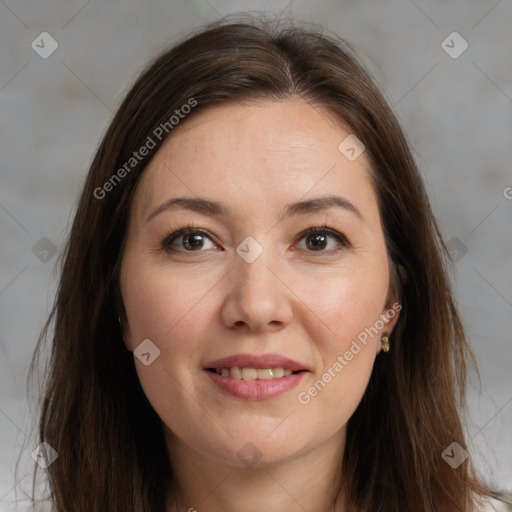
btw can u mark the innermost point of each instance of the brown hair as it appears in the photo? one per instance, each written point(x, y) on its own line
point(94, 413)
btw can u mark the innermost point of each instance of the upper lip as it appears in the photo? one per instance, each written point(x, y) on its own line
point(256, 361)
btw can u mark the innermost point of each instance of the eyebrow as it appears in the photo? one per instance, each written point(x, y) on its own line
point(218, 209)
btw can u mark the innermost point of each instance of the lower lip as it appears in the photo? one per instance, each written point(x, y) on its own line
point(257, 389)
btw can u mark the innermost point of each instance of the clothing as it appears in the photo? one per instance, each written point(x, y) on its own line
point(495, 506)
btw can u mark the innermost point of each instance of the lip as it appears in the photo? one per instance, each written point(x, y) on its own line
point(255, 389)
point(256, 361)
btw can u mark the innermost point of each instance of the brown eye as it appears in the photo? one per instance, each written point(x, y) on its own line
point(316, 242)
point(320, 240)
point(187, 240)
point(193, 242)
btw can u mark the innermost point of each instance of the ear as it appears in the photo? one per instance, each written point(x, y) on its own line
point(390, 316)
point(393, 305)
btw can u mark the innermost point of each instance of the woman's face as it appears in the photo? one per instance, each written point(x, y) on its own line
point(247, 283)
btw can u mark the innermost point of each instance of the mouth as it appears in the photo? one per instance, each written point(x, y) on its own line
point(246, 373)
point(253, 377)
point(253, 366)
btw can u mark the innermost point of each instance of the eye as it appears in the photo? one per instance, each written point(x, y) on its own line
point(191, 239)
point(317, 239)
point(187, 239)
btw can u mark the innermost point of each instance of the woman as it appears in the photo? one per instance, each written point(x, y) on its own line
point(254, 311)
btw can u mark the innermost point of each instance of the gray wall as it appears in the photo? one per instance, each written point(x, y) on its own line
point(456, 111)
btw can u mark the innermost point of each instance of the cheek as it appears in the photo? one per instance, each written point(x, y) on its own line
point(345, 304)
point(164, 305)
point(342, 314)
point(175, 310)
point(172, 311)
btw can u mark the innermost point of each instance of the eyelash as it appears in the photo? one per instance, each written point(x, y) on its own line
point(313, 230)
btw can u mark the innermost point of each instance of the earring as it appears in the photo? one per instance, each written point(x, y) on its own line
point(385, 343)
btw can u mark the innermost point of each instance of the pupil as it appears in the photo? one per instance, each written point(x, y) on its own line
point(197, 241)
point(318, 243)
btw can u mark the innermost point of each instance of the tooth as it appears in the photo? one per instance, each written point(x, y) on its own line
point(249, 373)
point(265, 373)
point(278, 373)
point(253, 373)
point(235, 373)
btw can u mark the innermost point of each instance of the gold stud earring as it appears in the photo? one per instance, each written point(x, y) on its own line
point(385, 343)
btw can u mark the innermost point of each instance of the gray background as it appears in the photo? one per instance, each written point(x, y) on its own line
point(457, 113)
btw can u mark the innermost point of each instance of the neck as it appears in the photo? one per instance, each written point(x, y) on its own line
point(308, 481)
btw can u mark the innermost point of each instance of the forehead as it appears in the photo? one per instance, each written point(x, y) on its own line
point(266, 152)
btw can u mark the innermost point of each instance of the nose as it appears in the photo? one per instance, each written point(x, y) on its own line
point(257, 298)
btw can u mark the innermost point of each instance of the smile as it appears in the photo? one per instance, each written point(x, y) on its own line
point(255, 376)
point(253, 373)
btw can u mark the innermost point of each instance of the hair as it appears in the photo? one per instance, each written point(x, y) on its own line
point(93, 411)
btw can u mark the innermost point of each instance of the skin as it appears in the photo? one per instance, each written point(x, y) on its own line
point(304, 303)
